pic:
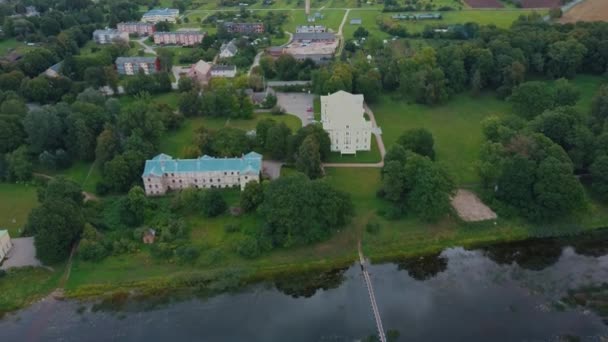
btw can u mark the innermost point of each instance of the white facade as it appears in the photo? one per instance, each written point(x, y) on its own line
point(342, 116)
point(5, 244)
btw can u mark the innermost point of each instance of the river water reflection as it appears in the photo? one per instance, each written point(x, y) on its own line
point(521, 292)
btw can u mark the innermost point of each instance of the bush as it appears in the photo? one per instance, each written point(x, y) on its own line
point(2, 274)
point(187, 254)
point(248, 247)
point(92, 250)
point(161, 250)
point(372, 227)
point(232, 228)
point(212, 203)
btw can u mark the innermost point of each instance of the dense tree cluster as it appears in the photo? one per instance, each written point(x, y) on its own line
point(221, 98)
point(286, 68)
point(58, 221)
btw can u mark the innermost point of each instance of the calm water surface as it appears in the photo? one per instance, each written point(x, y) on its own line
point(504, 293)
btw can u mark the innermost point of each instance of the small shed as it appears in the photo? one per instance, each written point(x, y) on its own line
point(355, 21)
point(149, 236)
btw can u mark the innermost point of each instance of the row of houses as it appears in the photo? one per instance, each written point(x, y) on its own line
point(246, 28)
point(184, 38)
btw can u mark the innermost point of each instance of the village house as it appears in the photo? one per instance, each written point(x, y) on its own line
point(109, 36)
point(137, 28)
point(5, 244)
point(132, 65)
point(247, 28)
point(342, 116)
point(310, 29)
point(184, 38)
point(158, 15)
point(228, 50)
point(200, 72)
point(223, 70)
point(163, 173)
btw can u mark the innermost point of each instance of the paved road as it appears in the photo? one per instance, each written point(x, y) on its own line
point(147, 48)
point(176, 70)
point(22, 254)
point(297, 104)
point(256, 62)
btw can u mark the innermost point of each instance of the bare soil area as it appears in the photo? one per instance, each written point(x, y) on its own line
point(470, 208)
point(589, 10)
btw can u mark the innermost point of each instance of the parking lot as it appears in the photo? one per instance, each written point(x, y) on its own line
point(297, 104)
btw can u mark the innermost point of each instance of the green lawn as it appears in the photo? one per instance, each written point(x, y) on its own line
point(457, 151)
point(86, 174)
point(8, 45)
point(16, 201)
point(174, 142)
point(22, 286)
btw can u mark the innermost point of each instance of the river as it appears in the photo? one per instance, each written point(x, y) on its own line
point(514, 292)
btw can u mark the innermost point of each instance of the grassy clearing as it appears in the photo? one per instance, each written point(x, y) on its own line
point(175, 142)
point(23, 286)
point(8, 45)
point(16, 202)
point(331, 19)
point(464, 113)
point(85, 174)
point(368, 21)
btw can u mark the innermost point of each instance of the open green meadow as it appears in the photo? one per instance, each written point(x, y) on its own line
point(16, 202)
point(23, 286)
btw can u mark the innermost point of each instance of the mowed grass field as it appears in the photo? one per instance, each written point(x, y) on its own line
point(458, 151)
point(16, 202)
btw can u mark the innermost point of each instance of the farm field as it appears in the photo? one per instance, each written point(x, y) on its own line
point(540, 3)
point(484, 3)
point(589, 10)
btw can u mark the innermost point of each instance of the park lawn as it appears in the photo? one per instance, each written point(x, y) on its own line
point(331, 19)
point(86, 174)
point(368, 21)
point(16, 202)
point(8, 45)
point(456, 128)
point(22, 286)
point(173, 143)
point(372, 156)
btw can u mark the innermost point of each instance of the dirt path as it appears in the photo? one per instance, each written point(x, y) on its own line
point(87, 195)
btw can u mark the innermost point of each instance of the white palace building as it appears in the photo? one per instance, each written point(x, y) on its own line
point(163, 173)
point(342, 116)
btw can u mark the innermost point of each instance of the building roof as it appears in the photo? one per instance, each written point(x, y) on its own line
point(201, 67)
point(341, 108)
point(180, 32)
point(314, 36)
point(223, 67)
point(355, 21)
point(56, 67)
point(122, 60)
point(106, 31)
point(163, 163)
point(230, 47)
point(162, 11)
point(137, 23)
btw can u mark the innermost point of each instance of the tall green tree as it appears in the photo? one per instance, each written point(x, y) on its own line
point(309, 158)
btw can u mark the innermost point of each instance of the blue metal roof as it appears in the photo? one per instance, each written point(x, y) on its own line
point(162, 11)
point(250, 163)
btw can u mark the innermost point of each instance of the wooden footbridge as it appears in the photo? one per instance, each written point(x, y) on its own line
point(372, 296)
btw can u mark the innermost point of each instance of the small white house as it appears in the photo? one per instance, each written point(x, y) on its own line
point(342, 116)
point(228, 50)
point(5, 244)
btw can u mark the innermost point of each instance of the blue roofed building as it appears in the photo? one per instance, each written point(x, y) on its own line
point(160, 14)
point(163, 173)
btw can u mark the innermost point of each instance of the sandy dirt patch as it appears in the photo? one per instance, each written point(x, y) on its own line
point(470, 208)
point(589, 10)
